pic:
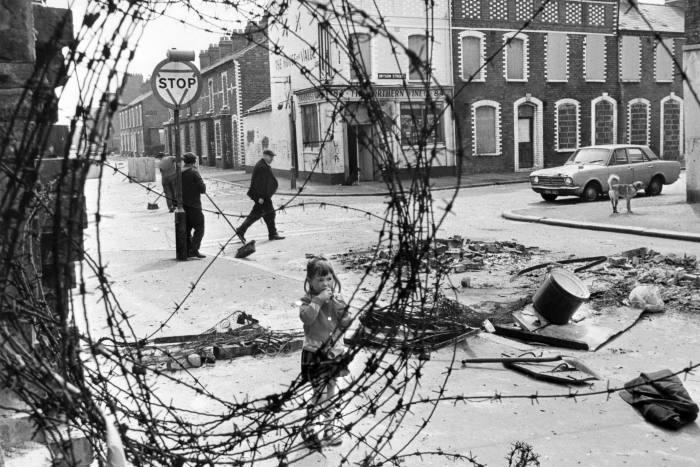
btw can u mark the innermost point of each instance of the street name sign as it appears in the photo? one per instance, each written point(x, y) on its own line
point(175, 83)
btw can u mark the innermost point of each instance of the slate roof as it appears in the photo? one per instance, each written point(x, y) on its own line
point(260, 107)
point(140, 98)
point(662, 18)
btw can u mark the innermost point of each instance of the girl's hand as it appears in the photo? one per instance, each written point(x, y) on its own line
point(325, 295)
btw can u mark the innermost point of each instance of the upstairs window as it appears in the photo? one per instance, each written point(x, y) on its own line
point(630, 57)
point(420, 126)
point(224, 89)
point(210, 90)
point(595, 57)
point(663, 60)
point(516, 57)
point(417, 66)
point(324, 52)
point(360, 50)
point(309, 125)
point(557, 57)
point(472, 52)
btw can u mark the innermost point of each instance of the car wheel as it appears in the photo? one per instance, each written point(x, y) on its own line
point(591, 192)
point(655, 187)
point(548, 196)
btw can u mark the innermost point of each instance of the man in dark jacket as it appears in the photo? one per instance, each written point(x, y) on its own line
point(263, 185)
point(192, 187)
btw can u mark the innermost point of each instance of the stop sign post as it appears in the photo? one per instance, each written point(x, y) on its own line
point(176, 83)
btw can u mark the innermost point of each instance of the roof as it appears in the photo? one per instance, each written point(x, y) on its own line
point(228, 58)
point(661, 18)
point(260, 107)
point(140, 98)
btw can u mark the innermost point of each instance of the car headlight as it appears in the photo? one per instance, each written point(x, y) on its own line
point(535, 180)
point(568, 181)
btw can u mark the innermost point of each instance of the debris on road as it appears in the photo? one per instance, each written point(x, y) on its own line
point(237, 335)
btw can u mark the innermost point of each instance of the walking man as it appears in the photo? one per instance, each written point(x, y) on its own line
point(192, 187)
point(167, 178)
point(263, 185)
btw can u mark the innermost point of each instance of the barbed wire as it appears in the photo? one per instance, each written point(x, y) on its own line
point(64, 375)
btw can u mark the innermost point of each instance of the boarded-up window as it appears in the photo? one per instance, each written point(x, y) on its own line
point(204, 137)
point(217, 140)
point(485, 134)
point(556, 57)
point(595, 57)
point(631, 58)
point(417, 61)
point(361, 56)
point(515, 59)
point(604, 123)
point(664, 65)
point(309, 124)
point(567, 127)
point(471, 58)
point(671, 130)
point(639, 123)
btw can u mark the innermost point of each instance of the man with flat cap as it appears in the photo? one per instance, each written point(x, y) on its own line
point(263, 185)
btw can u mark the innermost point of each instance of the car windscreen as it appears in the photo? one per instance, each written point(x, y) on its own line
point(589, 156)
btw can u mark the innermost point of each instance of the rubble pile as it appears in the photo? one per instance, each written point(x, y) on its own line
point(235, 336)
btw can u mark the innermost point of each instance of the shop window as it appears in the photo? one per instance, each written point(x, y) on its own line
point(360, 50)
point(516, 57)
point(418, 44)
point(557, 57)
point(663, 60)
point(421, 125)
point(631, 57)
point(310, 125)
point(472, 53)
point(595, 57)
point(486, 128)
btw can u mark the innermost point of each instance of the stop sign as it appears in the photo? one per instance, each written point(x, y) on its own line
point(176, 84)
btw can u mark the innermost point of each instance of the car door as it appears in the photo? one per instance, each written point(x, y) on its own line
point(641, 167)
point(619, 165)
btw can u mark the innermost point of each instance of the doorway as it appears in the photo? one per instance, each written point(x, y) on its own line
point(361, 165)
point(526, 153)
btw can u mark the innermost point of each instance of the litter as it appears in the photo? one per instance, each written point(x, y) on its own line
point(556, 369)
point(647, 298)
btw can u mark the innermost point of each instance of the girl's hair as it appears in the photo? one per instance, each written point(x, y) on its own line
point(320, 266)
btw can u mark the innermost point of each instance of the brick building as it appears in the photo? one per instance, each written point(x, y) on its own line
point(132, 87)
point(235, 76)
point(321, 118)
point(140, 123)
point(577, 75)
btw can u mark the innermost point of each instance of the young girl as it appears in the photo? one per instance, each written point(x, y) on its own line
point(325, 317)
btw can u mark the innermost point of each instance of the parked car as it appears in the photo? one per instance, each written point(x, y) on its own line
point(586, 172)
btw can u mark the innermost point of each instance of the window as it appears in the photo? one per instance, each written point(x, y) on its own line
point(224, 89)
point(635, 155)
point(359, 48)
point(663, 60)
point(604, 120)
point(324, 52)
point(417, 63)
point(595, 57)
point(638, 122)
point(516, 57)
point(631, 57)
point(205, 140)
point(217, 139)
point(472, 54)
point(567, 129)
point(420, 125)
point(620, 157)
point(557, 57)
point(309, 125)
point(486, 128)
point(210, 90)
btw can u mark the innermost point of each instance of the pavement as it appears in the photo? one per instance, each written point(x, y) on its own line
point(666, 216)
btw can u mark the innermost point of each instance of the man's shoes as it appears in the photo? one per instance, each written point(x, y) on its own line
point(276, 237)
point(196, 254)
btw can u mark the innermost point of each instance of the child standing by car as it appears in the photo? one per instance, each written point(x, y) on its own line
point(325, 317)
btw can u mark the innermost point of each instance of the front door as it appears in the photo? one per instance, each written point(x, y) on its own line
point(361, 165)
point(526, 153)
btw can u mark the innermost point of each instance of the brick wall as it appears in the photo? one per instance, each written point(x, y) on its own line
point(692, 24)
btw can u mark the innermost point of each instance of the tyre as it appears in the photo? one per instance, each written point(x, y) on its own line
point(591, 192)
point(548, 196)
point(655, 187)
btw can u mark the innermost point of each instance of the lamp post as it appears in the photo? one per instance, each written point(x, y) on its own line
point(176, 82)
